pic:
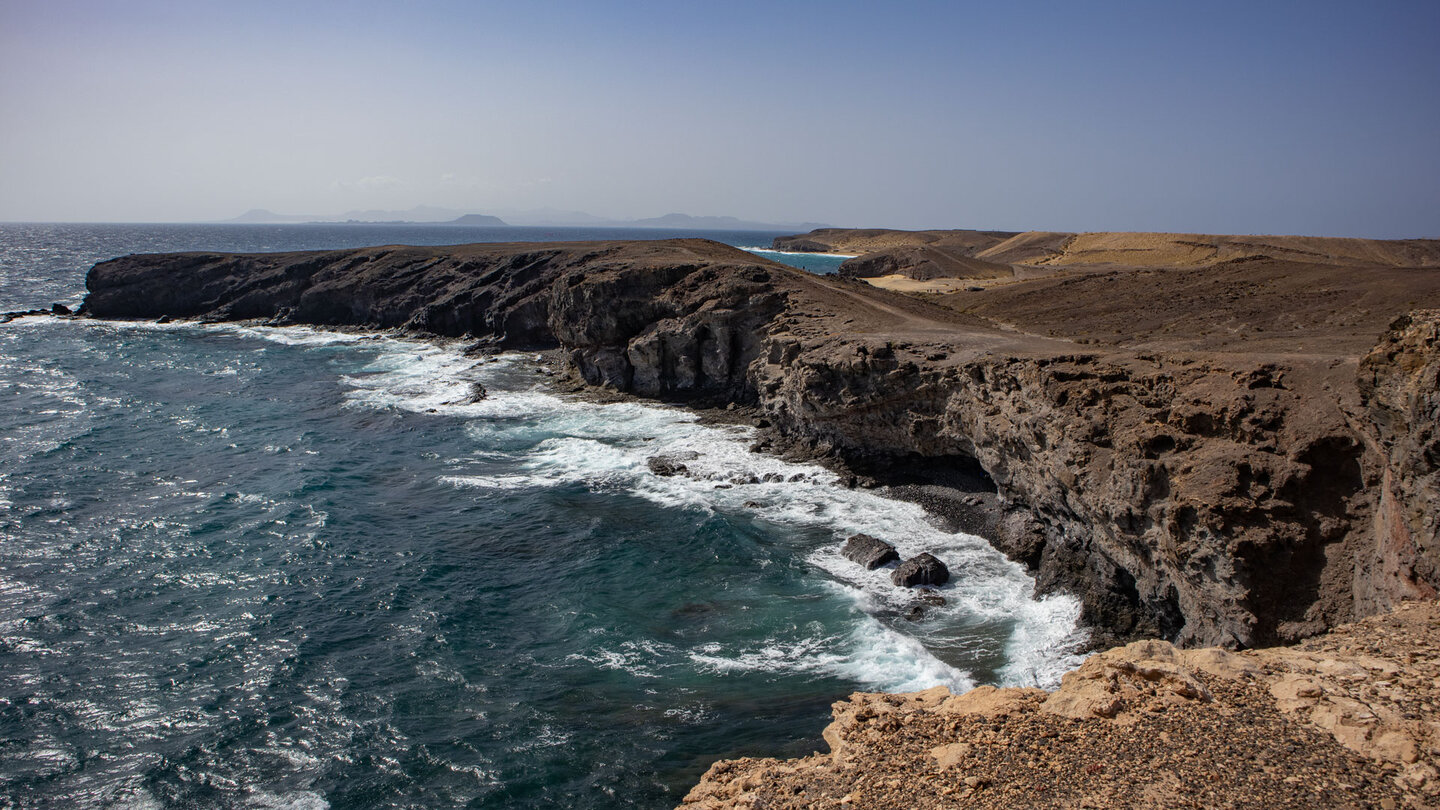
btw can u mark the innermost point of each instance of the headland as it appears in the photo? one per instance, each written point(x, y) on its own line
point(1214, 441)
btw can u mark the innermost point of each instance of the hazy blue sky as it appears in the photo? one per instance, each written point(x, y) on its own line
point(1246, 117)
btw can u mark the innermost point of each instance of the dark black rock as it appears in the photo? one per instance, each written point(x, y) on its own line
point(915, 614)
point(59, 309)
point(922, 569)
point(24, 313)
point(666, 466)
point(870, 552)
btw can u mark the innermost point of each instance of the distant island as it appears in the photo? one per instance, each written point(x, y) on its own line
point(478, 219)
point(430, 215)
point(686, 221)
point(420, 215)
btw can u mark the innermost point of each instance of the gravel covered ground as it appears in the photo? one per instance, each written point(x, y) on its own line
point(1345, 720)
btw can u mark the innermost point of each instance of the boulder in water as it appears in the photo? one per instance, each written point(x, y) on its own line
point(662, 466)
point(870, 552)
point(923, 569)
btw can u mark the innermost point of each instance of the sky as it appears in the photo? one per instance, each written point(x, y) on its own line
point(1319, 118)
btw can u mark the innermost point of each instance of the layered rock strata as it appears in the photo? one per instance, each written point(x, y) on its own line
point(1209, 494)
point(1346, 720)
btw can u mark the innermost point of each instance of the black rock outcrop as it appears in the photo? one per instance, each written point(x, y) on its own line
point(922, 569)
point(871, 552)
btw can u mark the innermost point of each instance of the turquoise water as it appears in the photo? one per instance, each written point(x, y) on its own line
point(257, 567)
point(821, 263)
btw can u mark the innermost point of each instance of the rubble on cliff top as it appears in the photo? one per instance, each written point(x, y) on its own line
point(1347, 719)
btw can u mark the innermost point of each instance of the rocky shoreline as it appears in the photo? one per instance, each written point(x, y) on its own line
point(1166, 483)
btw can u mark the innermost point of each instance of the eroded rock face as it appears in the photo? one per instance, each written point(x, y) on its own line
point(1400, 388)
point(668, 332)
point(1167, 494)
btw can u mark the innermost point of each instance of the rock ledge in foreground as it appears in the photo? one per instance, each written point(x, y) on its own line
point(1344, 720)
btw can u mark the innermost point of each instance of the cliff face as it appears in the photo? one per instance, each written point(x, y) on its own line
point(1183, 500)
point(1399, 384)
point(1211, 497)
point(500, 291)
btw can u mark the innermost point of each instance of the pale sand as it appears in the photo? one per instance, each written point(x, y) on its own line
point(904, 284)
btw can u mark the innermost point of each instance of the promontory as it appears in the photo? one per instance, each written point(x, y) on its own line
point(1214, 441)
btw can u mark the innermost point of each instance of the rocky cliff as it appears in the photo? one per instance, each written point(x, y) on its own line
point(1400, 388)
point(1209, 493)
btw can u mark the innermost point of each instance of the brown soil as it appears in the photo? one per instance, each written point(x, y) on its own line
point(1129, 249)
point(1263, 306)
point(1193, 250)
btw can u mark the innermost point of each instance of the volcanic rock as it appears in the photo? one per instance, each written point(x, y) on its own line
point(923, 569)
point(871, 552)
point(666, 467)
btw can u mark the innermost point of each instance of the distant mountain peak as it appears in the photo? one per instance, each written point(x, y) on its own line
point(433, 215)
point(479, 219)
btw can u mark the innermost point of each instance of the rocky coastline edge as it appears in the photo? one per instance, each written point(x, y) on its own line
point(1201, 494)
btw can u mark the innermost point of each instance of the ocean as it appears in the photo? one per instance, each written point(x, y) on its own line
point(282, 567)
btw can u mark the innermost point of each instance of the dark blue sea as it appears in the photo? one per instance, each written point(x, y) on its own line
point(280, 567)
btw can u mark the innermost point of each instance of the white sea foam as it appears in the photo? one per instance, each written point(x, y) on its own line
point(300, 335)
point(762, 251)
point(551, 440)
point(493, 481)
point(873, 656)
point(298, 800)
point(886, 659)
